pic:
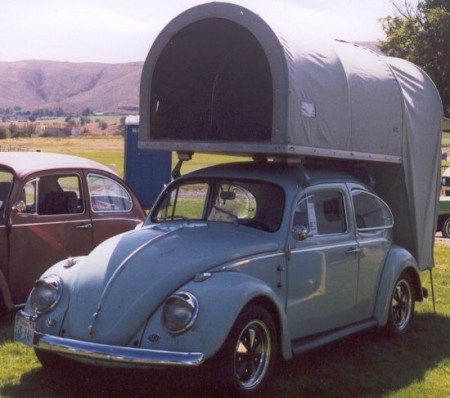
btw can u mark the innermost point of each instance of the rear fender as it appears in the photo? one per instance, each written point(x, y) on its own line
point(398, 261)
point(221, 298)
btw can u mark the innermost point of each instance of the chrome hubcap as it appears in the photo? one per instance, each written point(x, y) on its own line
point(401, 304)
point(252, 354)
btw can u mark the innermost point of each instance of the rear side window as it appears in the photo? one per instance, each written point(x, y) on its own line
point(370, 211)
point(108, 195)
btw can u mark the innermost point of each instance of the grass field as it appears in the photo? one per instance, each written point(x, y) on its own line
point(368, 365)
point(106, 150)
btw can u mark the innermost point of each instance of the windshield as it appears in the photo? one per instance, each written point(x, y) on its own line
point(255, 204)
point(6, 178)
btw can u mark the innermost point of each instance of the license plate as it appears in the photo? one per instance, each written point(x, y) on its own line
point(24, 330)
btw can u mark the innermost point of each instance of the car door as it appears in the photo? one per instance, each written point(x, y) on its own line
point(6, 182)
point(52, 224)
point(374, 222)
point(113, 208)
point(323, 266)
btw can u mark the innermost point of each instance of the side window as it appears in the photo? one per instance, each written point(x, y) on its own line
point(370, 211)
point(29, 195)
point(322, 213)
point(108, 195)
point(54, 194)
point(6, 178)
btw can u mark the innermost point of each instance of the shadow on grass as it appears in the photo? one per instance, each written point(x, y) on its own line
point(365, 365)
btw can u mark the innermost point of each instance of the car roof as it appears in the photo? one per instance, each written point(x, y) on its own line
point(28, 162)
point(281, 173)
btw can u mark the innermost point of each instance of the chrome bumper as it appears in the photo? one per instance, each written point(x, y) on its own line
point(119, 356)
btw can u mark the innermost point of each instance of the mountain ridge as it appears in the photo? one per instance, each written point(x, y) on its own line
point(72, 86)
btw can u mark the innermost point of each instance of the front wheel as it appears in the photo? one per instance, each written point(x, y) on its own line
point(401, 308)
point(248, 356)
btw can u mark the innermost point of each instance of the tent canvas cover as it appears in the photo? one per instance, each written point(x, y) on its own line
point(220, 78)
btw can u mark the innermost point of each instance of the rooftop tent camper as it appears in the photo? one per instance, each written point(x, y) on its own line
point(221, 78)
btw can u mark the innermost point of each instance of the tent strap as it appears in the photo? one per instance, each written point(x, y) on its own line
point(432, 289)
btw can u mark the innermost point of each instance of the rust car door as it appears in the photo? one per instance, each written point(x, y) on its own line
point(53, 223)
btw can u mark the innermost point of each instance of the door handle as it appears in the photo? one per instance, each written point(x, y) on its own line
point(84, 226)
point(353, 250)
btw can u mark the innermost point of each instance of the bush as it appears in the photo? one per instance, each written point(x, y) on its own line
point(4, 132)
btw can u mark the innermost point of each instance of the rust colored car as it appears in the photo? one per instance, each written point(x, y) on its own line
point(55, 206)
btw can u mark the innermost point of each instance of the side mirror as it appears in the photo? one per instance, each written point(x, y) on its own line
point(20, 206)
point(300, 232)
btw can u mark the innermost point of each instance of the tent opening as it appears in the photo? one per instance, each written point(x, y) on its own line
point(212, 82)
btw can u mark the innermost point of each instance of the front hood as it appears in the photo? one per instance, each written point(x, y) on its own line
point(125, 279)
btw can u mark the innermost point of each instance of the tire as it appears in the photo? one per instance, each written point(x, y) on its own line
point(401, 307)
point(248, 356)
point(446, 228)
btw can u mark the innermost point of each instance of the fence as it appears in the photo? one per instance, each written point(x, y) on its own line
point(11, 148)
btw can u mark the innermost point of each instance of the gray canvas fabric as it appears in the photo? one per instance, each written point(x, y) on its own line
point(220, 78)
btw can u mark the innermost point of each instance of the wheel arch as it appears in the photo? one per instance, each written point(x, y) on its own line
point(233, 292)
point(398, 261)
point(280, 321)
point(416, 282)
point(6, 298)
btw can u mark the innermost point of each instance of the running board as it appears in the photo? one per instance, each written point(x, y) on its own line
point(308, 343)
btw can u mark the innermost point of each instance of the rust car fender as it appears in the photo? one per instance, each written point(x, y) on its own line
point(6, 294)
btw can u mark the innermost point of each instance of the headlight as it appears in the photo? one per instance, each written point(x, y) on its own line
point(46, 294)
point(180, 312)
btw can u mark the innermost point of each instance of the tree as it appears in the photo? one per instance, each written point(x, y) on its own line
point(422, 35)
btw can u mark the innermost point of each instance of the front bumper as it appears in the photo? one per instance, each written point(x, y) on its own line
point(113, 355)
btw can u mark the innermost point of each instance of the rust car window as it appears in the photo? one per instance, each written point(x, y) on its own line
point(108, 195)
point(29, 196)
point(6, 178)
point(56, 194)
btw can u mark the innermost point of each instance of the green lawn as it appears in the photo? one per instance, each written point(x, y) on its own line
point(362, 366)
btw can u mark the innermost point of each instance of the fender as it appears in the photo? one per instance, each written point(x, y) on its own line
point(6, 294)
point(397, 261)
point(221, 298)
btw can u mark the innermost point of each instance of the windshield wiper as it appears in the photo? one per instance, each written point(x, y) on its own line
point(228, 213)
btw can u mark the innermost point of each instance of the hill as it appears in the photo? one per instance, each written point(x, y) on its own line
point(104, 88)
point(31, 85)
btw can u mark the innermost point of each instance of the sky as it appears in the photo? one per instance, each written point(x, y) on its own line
point(116, 31)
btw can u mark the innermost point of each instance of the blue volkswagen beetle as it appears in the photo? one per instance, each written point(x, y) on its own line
point(236, 264)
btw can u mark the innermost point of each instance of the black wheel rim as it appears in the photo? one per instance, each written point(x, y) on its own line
point(252, 355)
point(401, 305)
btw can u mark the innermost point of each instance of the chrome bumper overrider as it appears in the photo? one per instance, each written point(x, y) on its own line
point(124, 356)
